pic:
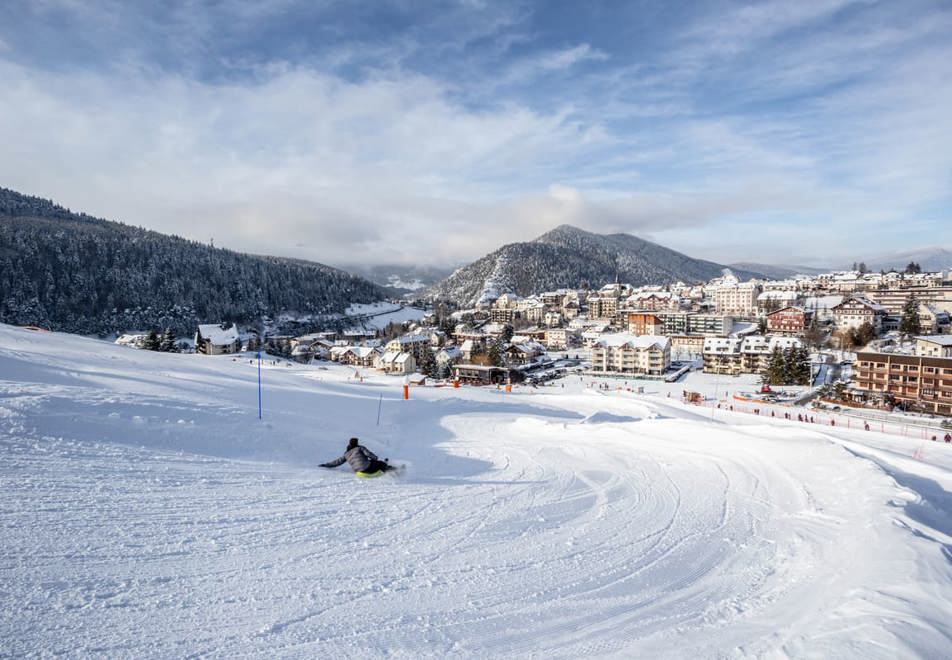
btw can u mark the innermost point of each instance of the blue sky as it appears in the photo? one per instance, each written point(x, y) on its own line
point(781, 132)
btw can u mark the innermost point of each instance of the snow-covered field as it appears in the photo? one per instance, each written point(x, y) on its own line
point(146, 512)
point(380, 314)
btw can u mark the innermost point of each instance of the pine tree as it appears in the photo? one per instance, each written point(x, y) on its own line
point(862, 335)
point(427, 365)
point(839, 390)
point(774, 373)
point(804, 368)
point(495, 355)
point(789, 369)
point(910, 323)
point(168, 341)
point(152, 341)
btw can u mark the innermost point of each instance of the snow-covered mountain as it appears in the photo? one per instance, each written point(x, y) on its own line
point(932, 259)
point(571, 257)
point(70, 271)
point(777, 272)
point(148, 512)
point(399, 279)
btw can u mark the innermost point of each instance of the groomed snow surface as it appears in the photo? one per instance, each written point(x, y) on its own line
point(146, 512)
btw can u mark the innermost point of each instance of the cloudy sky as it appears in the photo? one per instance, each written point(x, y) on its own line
point(409, 132)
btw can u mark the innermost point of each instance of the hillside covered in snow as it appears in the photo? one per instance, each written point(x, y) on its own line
point(149, 513)
point(76, 273)
point(570, 257)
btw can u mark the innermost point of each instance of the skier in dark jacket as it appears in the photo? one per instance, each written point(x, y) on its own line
point(360, 459)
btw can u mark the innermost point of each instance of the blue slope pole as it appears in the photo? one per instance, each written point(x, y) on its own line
point(259, 384)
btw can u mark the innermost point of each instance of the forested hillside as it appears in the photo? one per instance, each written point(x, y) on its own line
point(72, 272)
point(570, 257)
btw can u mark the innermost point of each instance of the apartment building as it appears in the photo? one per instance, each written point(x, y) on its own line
point(921, 383)
point(686, 323)
point(602, 307)
point(738, 299)
point(415, 345)
point(629, 354)
point(644, 323)
point(748, 355)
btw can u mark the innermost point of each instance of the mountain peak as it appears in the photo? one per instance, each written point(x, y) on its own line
point(562, 232)
point(570, 257)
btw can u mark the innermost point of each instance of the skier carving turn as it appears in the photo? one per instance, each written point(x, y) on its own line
point(363, 461)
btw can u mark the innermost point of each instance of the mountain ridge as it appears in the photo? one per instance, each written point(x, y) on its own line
point(567, 256)
point(78, 273)
point(931, 258)
point(777, 271)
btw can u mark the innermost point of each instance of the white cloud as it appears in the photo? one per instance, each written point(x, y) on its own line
point(564, 59)
point(391, 164)
point(371, 169)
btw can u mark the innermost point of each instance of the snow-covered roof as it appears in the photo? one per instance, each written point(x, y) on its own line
point(214, 333)
point(762, 344)
point(741, 328)
point(795, 308)
point(721, 344)
point(822, 302)
point(411, 339)
point(620, 339)
point(778, 295)
point(389, 356)
point(492, 328)
point(529, 347)
point(131, 339)
point(646, 295)
point(939, 340)
point(865, 302)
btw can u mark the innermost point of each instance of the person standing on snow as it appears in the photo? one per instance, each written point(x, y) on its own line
point(360, 458)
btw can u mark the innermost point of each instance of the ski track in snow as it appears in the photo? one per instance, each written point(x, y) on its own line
point(146, 512)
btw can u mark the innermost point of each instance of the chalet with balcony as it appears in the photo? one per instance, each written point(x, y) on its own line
point(524, 352)
point(396, 363)
point(854, 312)
point(791, 320)
point(217, 339)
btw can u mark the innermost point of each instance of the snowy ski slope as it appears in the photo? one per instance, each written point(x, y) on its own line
point(148, 513)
